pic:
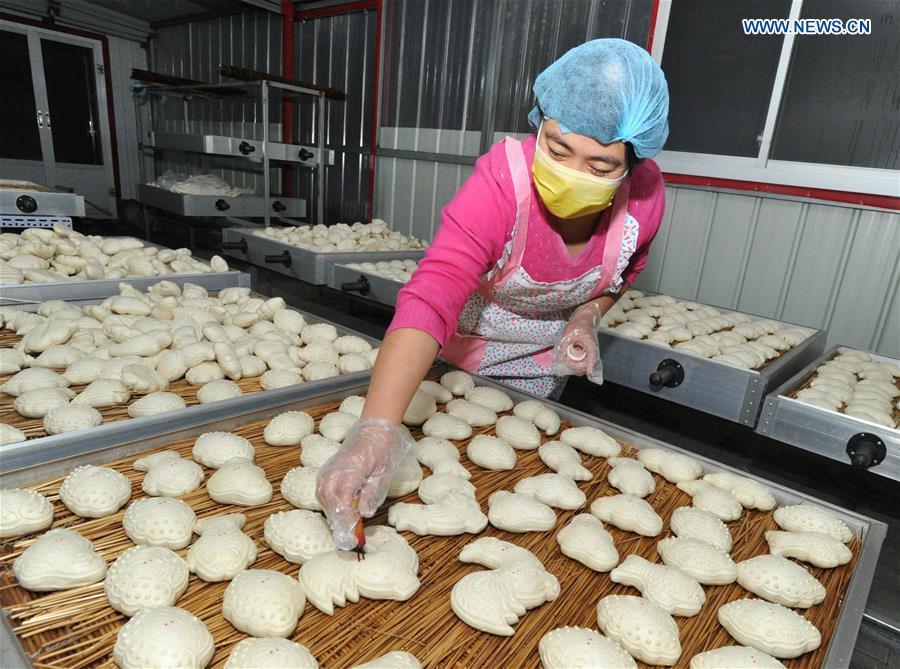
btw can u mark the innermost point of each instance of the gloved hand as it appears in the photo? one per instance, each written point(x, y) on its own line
point(576, 352)
point(361, 470)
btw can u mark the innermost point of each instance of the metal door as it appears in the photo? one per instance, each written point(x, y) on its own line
point(66, 102)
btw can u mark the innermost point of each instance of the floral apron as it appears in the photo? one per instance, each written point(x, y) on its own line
point(507, 328)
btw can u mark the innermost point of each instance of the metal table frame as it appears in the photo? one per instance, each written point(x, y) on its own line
point(267, 405)
point(821, 431)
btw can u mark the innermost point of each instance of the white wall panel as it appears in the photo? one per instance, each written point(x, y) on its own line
point(123, 56)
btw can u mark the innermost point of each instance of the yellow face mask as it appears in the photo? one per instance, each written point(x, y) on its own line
point(568, 193)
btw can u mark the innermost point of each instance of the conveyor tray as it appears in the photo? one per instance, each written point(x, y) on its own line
point(293, 261)
point(712, 387)
point(828, 433)
point(76, 291)
point(238, 147)
point(438, 553)
point(19, 198)
point(365, 284)
point(216, 205)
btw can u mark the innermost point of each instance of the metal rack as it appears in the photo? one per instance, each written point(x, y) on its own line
point(248, 150)
point(293, 261)
point(715, 388)
point(24, 204)
point(36, 464)
point(834, 435)
point(364, 284)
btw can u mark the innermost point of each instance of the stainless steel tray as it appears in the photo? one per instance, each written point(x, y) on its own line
point(303, 264)
point(18, 198)
point(76, 291)
point(871, 532)
point(215, 205)
point(360, 283)
point(240, 148)
point(829, 433)
point(712, 387)
point(59, 449)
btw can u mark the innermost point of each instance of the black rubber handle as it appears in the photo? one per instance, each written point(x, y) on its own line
point(865, 450)
point(283, 258)
point(246, 148)
point(361, 286)
point(26, 204)
point(278, 206)
point(222, 205)
point(669, 374)
point(303, 154)
point(236, 246)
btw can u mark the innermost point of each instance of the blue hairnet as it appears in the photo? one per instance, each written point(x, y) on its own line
point(608, 89)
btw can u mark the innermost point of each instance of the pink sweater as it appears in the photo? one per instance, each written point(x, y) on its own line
point(478, 222)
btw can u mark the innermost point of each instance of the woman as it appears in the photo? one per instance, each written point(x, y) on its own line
point(539, 242)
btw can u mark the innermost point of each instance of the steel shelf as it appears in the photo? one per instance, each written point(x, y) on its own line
point(221, 416)
point(360, 283)
point(825, 432)
point(239, 147)
point(712, 387)
point(19, 198)
point(220, 205)
point(303, 264)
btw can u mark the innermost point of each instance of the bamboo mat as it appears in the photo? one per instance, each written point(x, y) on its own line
point(77, 628)
point(807, 383)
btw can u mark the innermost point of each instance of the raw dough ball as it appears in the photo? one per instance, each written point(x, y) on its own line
point(750, 493)
point(708, 497)
point(591, 440)
point(704, 562)
point(336, 425)
point(553, 490)
point(491, 452)
point(215, 391)
point(440, 393)
point(669, 588)
point(279, 378)
point(222, 551)
point(809, 518)
point(458, 382)
point(34, 378)
point(297, 535)
point(628, 513)
point(316, 450)
point(692, 523)
point(646, 631)
point(519, 513)
point(214, 449)
point(779, 580)
point(159, 521)
point(156, 637)
point(298, 487)
point(168, 474)
point(444, 426)
point(353, 404)
point(421, 407)
point(60, 559)
point(518, 433)
point(351, 344)
point(820, 550)
point(288, 428)
point(564, 460)
point(144, 577)
point(734, 657)
point(772, 628)
point(23, 511)
point(580, 648)
point(240, 482)
point(440, 456)
point(318, 331)
point(396, 659)
point(155, 403)
point(351, 363)
point(94, 492)
point(270, 654)
point(630, 477)
point(586, 540)
point(103, 392)
point(406, 477)
point(316, 371)
point(436, 486)
point(38, 403)
point(475, 415)
point(674, 467)
point(69, 418)
point(542, 416)
point(10, 435)
point(263, 603)
point(495, 400)
point(452, 514)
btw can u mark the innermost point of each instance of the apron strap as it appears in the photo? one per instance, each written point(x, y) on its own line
point(612, 246)
point(521, 179)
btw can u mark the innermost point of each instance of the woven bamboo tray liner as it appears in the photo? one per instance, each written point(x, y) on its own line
point(77, 628)
point(807, 383)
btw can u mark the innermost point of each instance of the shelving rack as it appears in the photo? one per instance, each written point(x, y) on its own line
point(192, 138)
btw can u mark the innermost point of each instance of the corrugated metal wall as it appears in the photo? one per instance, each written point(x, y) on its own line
point(337, 52)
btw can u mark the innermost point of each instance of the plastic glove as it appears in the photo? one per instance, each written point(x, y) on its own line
point(361, 470)
point(576, 352)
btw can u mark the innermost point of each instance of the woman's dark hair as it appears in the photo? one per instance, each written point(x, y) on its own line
point(630, 156)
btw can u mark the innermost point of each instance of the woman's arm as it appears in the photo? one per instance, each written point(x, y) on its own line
point(404, 359)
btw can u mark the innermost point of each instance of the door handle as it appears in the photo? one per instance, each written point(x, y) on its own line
point(47, 115)
point(40, 119)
